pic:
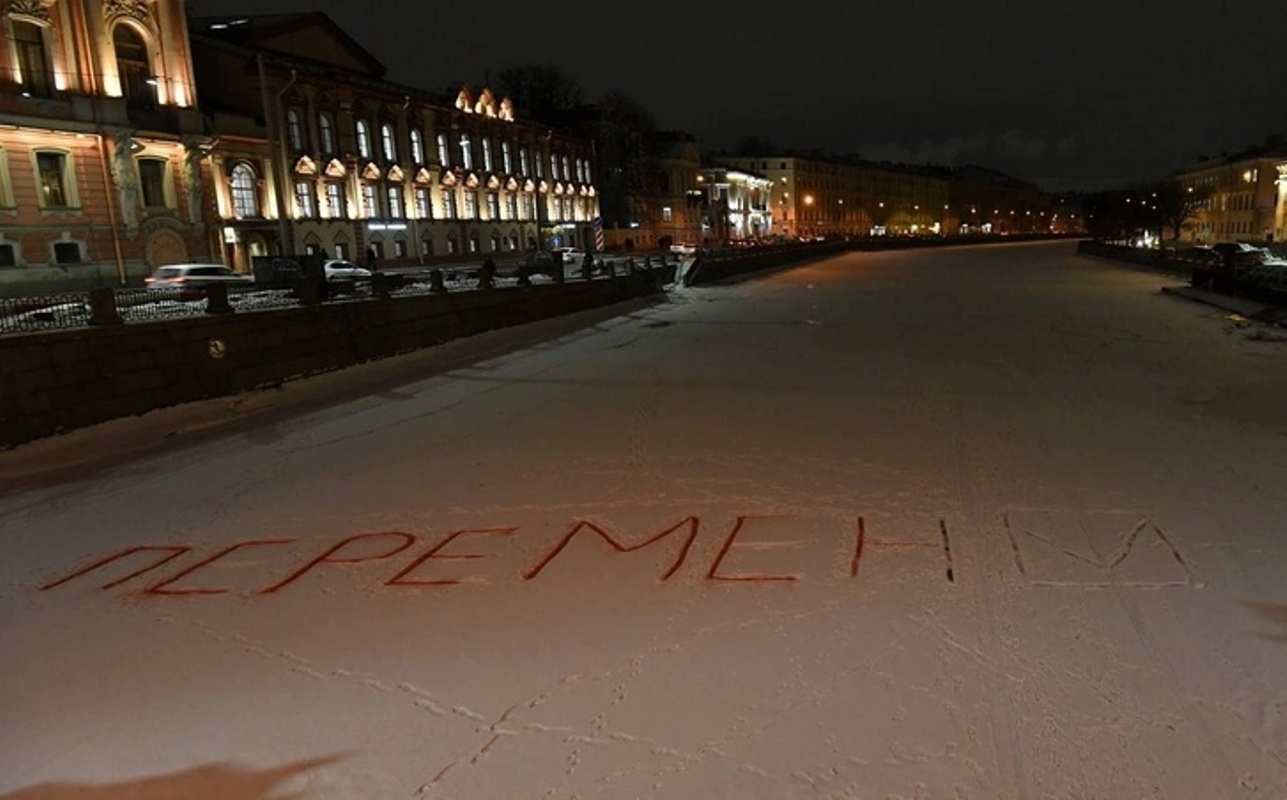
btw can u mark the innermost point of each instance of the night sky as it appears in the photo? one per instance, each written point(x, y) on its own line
point(1078, 94)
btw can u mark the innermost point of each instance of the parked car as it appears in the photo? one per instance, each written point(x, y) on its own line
point(684, 248)
point(194, 276)
point(572, 257)
point(338, 270)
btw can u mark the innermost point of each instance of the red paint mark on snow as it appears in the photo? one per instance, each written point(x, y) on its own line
point(325, 558)
point(714, 575)
point(433, 553)
point(692, 522)
point(159, 588)
point(862, 536)
point(174, 550)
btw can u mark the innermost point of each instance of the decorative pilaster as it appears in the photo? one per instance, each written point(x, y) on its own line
point(126, 179)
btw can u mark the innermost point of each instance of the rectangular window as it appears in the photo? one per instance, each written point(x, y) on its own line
point(53, 190)
point(466, 151)
point(507, 163)
point(449, 204)
point(395, 202)
point(471, 204)
point(523, 162)
point(487, 154)
point(342, 251)
point(511, 206)
point(67, 253)
point(399, 248)
point(665, 214)
point(33, 58)
point(444, 152)
point(422, 203)
point(152, 182)
point(335, 201)
point(304, 207)
point(8, 255)
point(529, 211)
point(370, 203)
point(493, 206)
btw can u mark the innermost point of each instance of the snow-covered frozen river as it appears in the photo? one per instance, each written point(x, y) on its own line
point(979, 523)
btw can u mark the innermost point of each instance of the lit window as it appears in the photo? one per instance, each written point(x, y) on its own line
point(33, 58)
point(387, 144)
point(52, 168)
point(493, 206)
point(399, 248)
point(132, 65)
point(507, 163)
point(466, 151)
point(449, 204)
point(417, 147)
point(524, 167)
point(326, 130)
point(342, 251)
point(363, 138)
point(304, 207)
point(487, 154)
point(554, 166)
point(335, 201)
point(528, 207)
point(394, 194)
point(496, 243)
point(426, 247)
point(245, 192)
point(471, 204)
point(567, 169)
point(665, 214)
point(422, 203)
point(370, 203)
point(444, 153)
point(295, 129)
point(473, 243)
point(152, 182)
point(511, 206)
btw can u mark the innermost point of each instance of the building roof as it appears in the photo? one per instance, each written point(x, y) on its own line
point(280, 34)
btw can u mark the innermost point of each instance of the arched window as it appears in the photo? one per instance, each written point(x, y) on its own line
point(487, 154)
point(134, 67)
point(507, 163)
point(33, 58)
point(466, 151)
point(387, 144)
point(444, 152)
point(363, 138)
point(417, 146)
point(326, 130)
point(245, 192)
point(295, 129)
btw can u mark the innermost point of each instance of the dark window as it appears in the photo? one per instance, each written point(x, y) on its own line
point(8, 255)
point(295, 129)
point(67, 253)
point(326, 129)
point(134, 67)
point(53, 191)
point(152, 180)
point(33, 58)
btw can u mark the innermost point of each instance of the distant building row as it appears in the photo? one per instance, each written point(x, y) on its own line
point(1246, 195)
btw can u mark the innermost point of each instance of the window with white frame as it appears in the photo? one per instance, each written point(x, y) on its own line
point(305, 207)
point(665, 214)
point(388, 145)
point(370, 202)
point(363, 132)
point(326, 132)
point(466, 151)
point(417, 146)
point(6, 184)
point(567, 169)
point(54, 178)
point(471, 204)
point(507, 163)
point(152, 175)
point(529, 207)
point(511, 206)
point(336, 208)
point(449, 209)
point(487, 154)
point(245, 192)
point(444, 152)
point(394, 193)
point(399, 248)
point(423, 205)
point(523, 165)
point(295, 128)
point(493, 205)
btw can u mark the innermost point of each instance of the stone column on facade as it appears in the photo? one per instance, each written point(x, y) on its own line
point(125, 178)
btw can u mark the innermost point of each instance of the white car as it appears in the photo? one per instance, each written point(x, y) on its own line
point(684, 248)
point(194, 276)
point(572, 257)
point(337, 270)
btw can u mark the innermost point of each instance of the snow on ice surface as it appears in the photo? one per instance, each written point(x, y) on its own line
point(979, 523)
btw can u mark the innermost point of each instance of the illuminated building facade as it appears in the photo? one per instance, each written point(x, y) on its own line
point(1247, 196)
point(319, 154)
point(101, 149)
point(739, 205)
point(666, 208)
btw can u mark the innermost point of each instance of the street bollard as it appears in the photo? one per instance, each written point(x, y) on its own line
point(217, 299)
point(102, 307)
point(436, 281)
